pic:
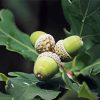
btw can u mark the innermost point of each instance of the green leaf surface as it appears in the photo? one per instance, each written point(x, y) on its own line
point(3, 77)
point(71, 85)
point(27, 87)
point(78, 63)
point(76, 91)
point(92, 69)
point(79, 91)
point(71, 95)
point(86, 92)
point(94, 53)
point(5, 97)
point(75, 65)
point(84, 19)
point(97, 80)
point(86, 63)
point(13, 38)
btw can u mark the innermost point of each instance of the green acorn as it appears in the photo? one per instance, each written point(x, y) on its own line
point(42, 41)
point(64, 48)
point(46, 65)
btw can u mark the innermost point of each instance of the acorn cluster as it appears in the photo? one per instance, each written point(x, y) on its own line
point(52, 54)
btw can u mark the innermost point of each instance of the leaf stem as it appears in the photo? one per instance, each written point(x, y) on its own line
point(74, 61)
point(67, 32)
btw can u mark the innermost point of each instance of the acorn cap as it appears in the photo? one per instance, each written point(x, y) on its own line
point(60, 50)
point(44, 43)
point(51, 55)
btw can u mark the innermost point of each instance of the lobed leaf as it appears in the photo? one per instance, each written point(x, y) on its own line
point(71, 85)
point(5, 97)
point(86, 92)
point(78, 63)
point(76, 90)
point(83, 17)
point(3, 77)
point(92, 69)
point(13, 38)
point(27, 87)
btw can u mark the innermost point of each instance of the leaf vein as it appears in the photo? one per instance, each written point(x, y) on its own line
point(84, 18)
point(93, 12)
point(30, 49)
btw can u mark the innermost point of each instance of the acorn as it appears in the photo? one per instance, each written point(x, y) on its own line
point(64, 48)
point(46, 65)
point(42, 42)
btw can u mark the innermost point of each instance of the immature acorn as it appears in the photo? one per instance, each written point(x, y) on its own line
point(64, 48)
point(46, 65)
point(42, 41)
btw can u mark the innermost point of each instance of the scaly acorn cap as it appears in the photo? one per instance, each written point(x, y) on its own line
point(64, 48)
point(60, 50)
point(42, 42)
point(46, 65)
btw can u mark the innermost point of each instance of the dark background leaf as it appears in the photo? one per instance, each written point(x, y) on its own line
point(83, 17)
point(86, 92)
point(89, 42)
point(92, 69)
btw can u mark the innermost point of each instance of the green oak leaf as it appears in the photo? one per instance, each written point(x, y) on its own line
point(84, 19)
point(71, 95)
point(85, 64)
point(78, 63)
point(3, 77)
point(70, 84)
point(5, 97)
point(26, 87)
point(97, 80)
point(86, 92)
point(13, 38)
point(92, 69)
point(94, 53)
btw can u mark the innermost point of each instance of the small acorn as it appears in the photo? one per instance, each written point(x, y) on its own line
point(64, 48)
point(42, 41)
point(46, 65)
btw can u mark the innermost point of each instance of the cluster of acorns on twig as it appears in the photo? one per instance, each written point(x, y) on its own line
point(51, 53)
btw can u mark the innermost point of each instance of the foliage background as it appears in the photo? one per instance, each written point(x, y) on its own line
point(36, 15)
point(31, 15)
